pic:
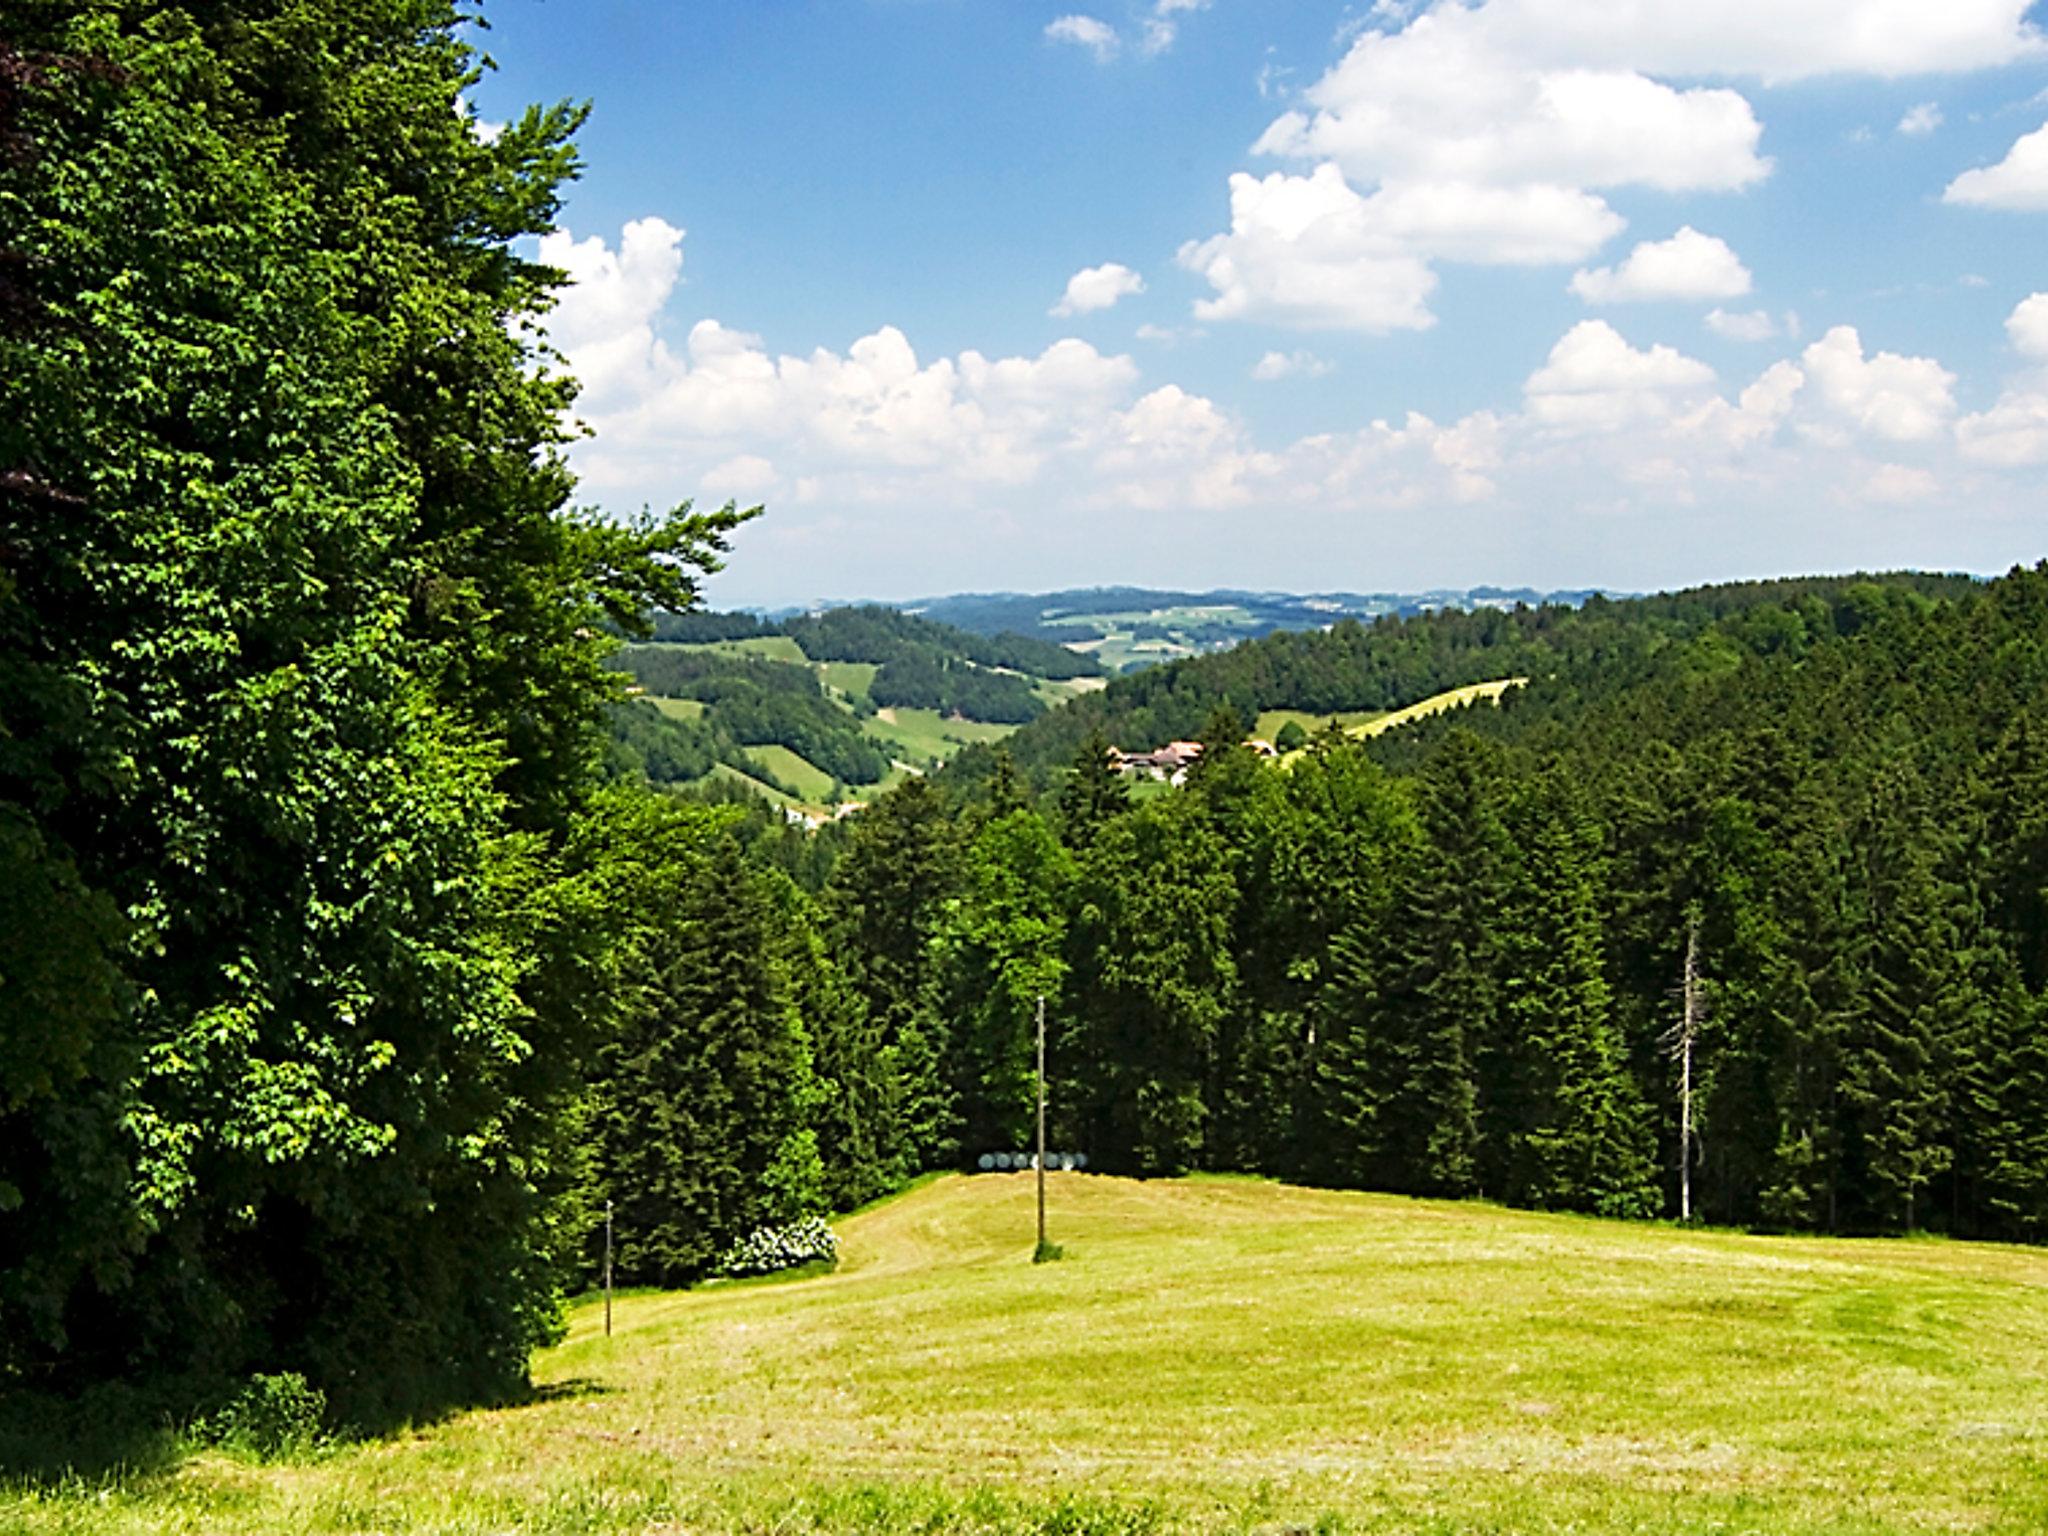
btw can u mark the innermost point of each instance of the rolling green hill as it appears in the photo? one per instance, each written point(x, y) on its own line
point(830, 707)
point(1228, 1355)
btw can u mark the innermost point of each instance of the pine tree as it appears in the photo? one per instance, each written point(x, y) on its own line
point(1396, 1075)
point(1093, 794)
point(1152, 976)
point(1564, 1121)
point(887, 898)
point(707, 1098)
point(1910, 986)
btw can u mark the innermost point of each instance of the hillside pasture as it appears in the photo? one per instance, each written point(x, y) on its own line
point(678, 709)
point(812, 784)
point(1270, 721)
point(768, 647)
point(850, 678)
point(1229, 1355)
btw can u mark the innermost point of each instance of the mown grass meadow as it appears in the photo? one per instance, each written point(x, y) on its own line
point(1226, 1355)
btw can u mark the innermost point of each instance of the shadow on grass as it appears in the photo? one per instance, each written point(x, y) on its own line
point(570, 1389)
point(111, 1433)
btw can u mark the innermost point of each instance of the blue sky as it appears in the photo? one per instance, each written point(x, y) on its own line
point(1630, 293)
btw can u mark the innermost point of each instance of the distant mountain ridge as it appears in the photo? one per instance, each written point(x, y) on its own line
point(1127, 628)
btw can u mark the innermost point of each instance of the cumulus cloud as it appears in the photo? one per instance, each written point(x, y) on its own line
point(1444, 140)
point(1899, 399)
point(1098, 37)
point(1769, 40)
point(1305, 251)
point(1492, 132)
point(1920, 121)
point(1161, 27)
point(2019, 182)
point(1094, 288)
point(1283, 365)
point(1689, 265)
point(1755, 325)
point(2013, 434)
point(2027, 327)
point(1899, 483)
point(1595, 381)
point(854, 446)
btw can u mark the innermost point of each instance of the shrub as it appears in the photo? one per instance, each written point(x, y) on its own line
point(766, 1250)
point(272, 1416)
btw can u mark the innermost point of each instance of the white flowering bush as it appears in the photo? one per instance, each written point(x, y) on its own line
point(766, 1250)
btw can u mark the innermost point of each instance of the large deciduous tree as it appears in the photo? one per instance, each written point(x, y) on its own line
point(300, 665)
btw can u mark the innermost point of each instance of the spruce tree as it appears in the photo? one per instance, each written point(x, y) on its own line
point(886, 901)
point(1566, 1127)
point(1911, 988)
point(707, 1097)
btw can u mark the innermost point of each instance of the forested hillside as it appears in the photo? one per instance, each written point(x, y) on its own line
point(1448, 961)
point(849, 699)
point(1396, 660)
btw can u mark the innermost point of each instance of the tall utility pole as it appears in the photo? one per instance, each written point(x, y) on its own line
point(607, 1269)
point(1688, 1025)
point(1041, 1123)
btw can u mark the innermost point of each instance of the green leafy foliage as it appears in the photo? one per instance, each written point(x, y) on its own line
point(301, 665)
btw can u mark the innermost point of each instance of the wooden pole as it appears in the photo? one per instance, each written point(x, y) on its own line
point(607, 1269)
point(1041, 1124)
point(1692, 993)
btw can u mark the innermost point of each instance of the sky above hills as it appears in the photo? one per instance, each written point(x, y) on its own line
point(989, 294)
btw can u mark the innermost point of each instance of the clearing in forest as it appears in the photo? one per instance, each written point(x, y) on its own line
point(1231, 1354)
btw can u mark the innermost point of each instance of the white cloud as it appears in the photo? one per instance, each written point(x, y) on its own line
point(1770, 40)
point(1595, 381)
point(1094, 288)
point(1305, 251)
point(1490, 132)
point(1098, 37)
point(1441, 102)
point(1900, 483)
point(1689, 265)
point(1281, 365)
point(1899, 399)
point(744, 474)
point(1161, 30)
point(2013, 434)
point(1756, 325)
point(2027, 327)
point(2018, 182)
point(1614, 453)
point(1920, 121)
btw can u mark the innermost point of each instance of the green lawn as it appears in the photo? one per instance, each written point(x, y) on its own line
point(810, 782)
point(774, 647)
point(1270, 721)
point(852, 678)
point(922, 736)
point(1230, 1355)
point(678, 709)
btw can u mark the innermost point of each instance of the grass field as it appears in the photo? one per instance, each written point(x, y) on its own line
point(1270, 720)
point(1229, 1355)
point(1436, 704)
point(812, 784)
point(773, 647)
point(852, 678)
point(679, 709)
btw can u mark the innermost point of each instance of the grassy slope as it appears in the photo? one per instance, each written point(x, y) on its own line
point(1235, 1355)
point(812, 783)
